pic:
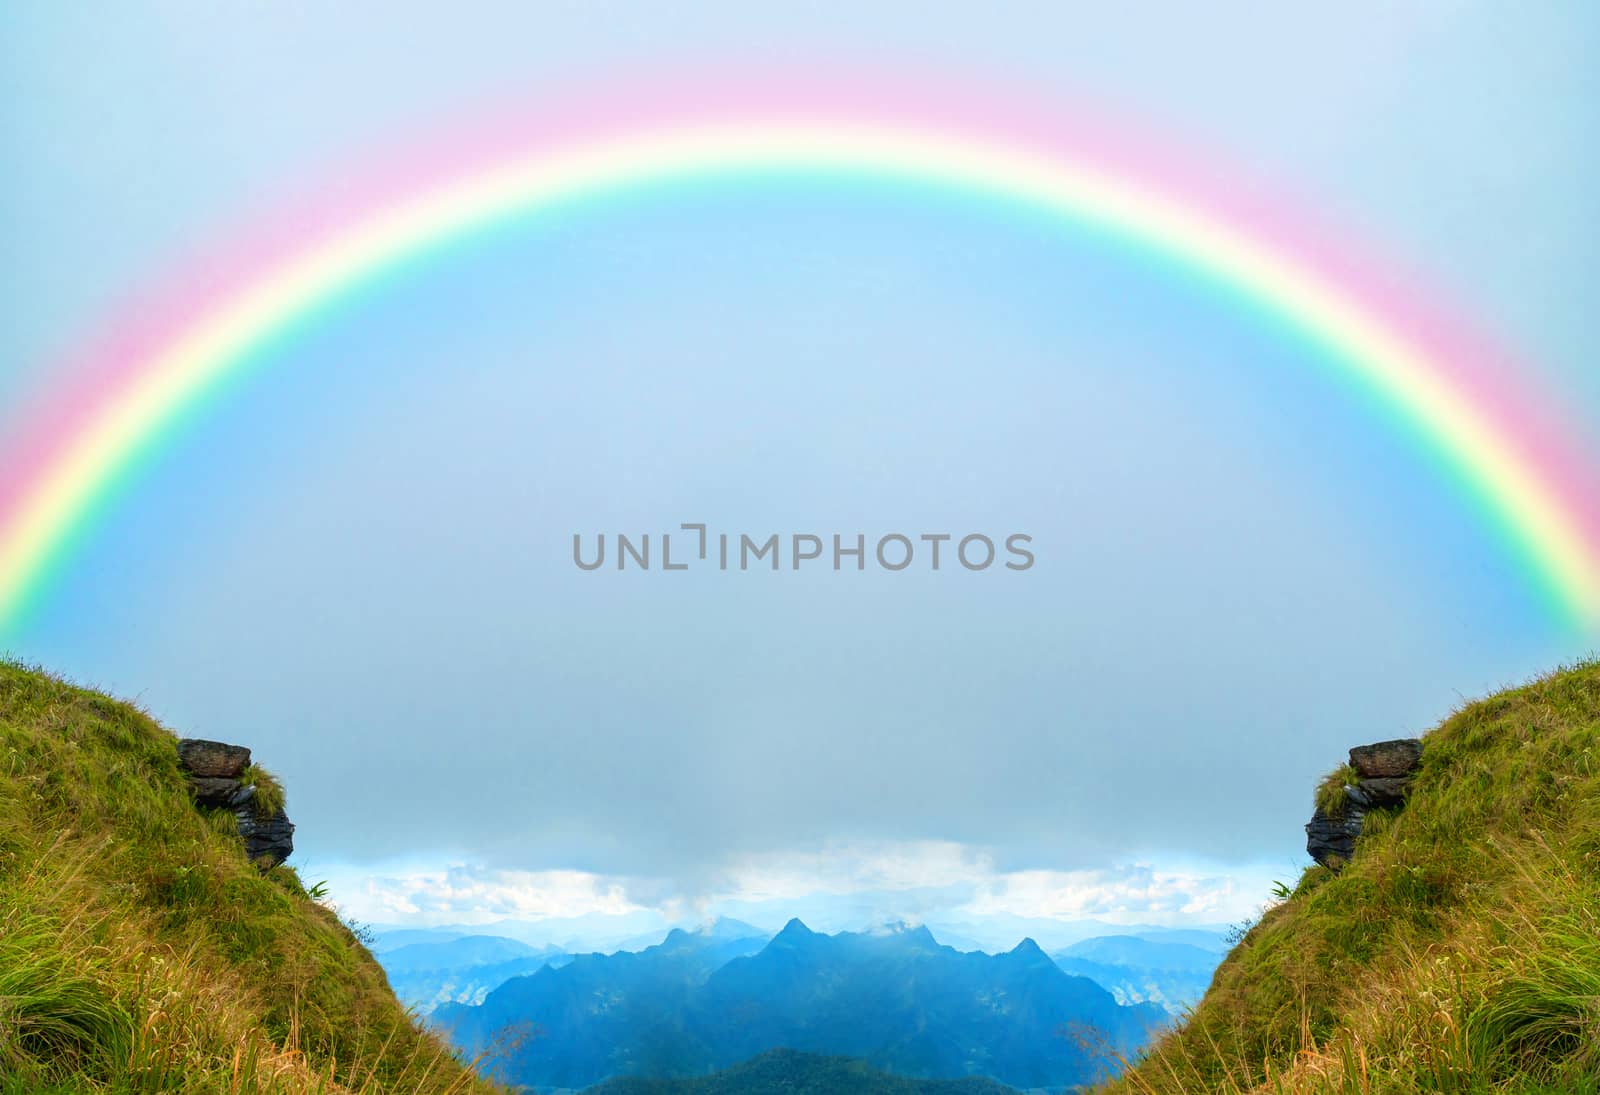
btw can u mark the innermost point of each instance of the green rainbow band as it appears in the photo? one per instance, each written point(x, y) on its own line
point(1529, 504)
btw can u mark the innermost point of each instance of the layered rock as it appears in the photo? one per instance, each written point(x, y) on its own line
point(1383, 778)
point(1331, 839)
point(1380, 791)
point(216, 770)
point(212, 759)
point(1387, 759)
point(269, 838)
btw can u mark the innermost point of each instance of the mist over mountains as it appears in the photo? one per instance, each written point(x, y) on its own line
point(605, 933)
point(895, 998)
point(464, 971)
point(1160, 970)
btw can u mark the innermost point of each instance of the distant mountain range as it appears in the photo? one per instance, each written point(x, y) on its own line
point(589, 934)
point(470, 950)
point(1140, 970)
point(599, 1015)
point(896, 999)
point(1002, 931)
point(789, 1072)
point(606, 934)
point(464, 970)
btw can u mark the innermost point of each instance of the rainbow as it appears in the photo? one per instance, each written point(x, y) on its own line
point(1537, 495)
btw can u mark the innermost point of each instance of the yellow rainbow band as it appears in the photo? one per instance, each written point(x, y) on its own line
point(1528, 507)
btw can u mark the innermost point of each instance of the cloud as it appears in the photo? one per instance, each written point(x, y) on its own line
point(840, 886)
point(465, 893)
point(1140, 890)
point(845, 868)
point(361, 566)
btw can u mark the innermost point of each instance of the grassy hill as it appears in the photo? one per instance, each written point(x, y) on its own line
point(1458, 951)
point(789, 1072)
point(141, 952)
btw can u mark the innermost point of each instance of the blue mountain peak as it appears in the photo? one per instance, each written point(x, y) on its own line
point(796, 929)
point(919, 935)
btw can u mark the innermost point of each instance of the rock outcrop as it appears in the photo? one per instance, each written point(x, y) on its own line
point(1383, 777)
point(217, 791)
point(212, 759)
point(218, 775)
point(269, 838)
point(1387, 759)
point(1330, 838)
point(1380, 791)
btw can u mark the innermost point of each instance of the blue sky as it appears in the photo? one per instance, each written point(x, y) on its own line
point(359, 562)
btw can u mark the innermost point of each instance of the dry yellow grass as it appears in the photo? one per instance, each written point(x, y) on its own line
point(1459, 951)
point(140, 951)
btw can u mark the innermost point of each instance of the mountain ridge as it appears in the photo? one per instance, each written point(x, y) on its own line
point(896, 999)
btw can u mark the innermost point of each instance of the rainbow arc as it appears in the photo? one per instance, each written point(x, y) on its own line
point(1540, 504)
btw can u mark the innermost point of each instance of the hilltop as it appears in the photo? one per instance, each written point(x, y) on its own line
point(1458, 948)
point(140, 948)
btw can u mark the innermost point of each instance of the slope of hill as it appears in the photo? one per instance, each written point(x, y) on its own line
point(898, 1000)
point(789, 1072)
point(1459, 948)
point(141, 951)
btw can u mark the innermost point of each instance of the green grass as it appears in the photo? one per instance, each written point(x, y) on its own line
point(140, 951)
point(1330, 797)
point(1457, 953)
point(269, 796)
point(1459, 950)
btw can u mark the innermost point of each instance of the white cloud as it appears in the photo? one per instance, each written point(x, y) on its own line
point(841, 885)
point(848, 868)
point(1134, 891)
point(464, 894)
